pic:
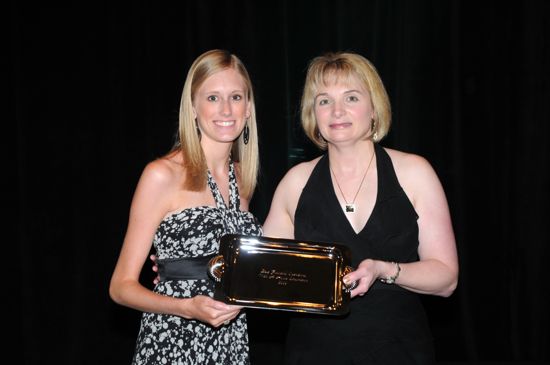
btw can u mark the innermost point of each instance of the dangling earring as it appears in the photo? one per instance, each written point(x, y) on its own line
point(246, 133)
point(375, 134)
point(320, 136)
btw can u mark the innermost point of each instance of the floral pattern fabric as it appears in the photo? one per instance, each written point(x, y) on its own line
point(195, 232)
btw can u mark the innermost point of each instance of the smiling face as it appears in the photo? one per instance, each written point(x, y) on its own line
point(221, 106)
point(343, 111)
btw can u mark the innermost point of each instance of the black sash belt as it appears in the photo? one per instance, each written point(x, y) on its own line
point(188, 268)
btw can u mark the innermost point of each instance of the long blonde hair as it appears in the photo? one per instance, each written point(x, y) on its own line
point(342, 66)
point(188, 142)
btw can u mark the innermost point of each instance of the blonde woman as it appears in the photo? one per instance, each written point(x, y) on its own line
point(184, 202)
point(387, 206)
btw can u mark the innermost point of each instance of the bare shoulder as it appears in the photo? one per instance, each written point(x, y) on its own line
point(290, 188)
point(162, 176)
point(414, 172)
point(160, 172)
point(407, 163)
point(298, 175)
point(280, 220)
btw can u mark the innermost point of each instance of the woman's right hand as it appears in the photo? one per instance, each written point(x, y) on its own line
point(211, 311)
point(204, 308)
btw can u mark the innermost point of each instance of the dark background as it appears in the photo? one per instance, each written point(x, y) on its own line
point(93, 91)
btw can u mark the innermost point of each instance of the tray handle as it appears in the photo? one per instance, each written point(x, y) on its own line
point(216, 268)
point(348, 287)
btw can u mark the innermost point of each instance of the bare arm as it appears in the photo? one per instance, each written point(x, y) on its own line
point(150, 204)
point(280, 219)
point(436, 272)
point(279, 222)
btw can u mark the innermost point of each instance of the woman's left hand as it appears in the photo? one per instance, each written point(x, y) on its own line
point(365, 275)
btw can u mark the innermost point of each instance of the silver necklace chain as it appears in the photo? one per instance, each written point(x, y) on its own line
point(350, 207)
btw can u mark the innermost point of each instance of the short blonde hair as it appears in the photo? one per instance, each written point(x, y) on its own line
point(343, 66)
point(188, 143)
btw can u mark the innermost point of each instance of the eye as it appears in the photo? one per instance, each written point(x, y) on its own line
point(212, 98)
point(352, 98)
point(323, 101)
point(237, 97)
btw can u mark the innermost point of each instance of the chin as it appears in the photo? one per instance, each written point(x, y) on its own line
point(228, 139)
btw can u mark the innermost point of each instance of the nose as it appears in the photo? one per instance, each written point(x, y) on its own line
point(226, 108)
point(338, 109)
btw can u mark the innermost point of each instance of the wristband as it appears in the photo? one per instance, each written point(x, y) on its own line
point(392, 279)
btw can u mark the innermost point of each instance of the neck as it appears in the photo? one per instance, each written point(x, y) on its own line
point(217, 156)
point(350, 160)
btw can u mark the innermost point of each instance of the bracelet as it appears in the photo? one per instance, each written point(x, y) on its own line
point(392, 279)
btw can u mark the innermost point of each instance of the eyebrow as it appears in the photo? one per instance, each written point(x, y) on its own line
point(345, 92)
point(216, 91)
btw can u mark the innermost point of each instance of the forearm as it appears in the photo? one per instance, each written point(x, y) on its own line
point(134, 295)
point(428, 276)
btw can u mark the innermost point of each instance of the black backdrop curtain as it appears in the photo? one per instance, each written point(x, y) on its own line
point(92, 95)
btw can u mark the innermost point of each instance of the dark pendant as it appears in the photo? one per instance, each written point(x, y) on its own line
point(350, 208)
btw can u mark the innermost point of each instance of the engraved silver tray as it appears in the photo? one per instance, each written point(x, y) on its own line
point(282, 274)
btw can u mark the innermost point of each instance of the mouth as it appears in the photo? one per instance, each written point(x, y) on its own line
point(224, 123)
point(340, 125)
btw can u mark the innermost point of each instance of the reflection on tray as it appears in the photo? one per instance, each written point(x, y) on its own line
point(282, 274)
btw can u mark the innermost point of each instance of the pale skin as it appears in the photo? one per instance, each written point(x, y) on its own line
point(221, 109)
point(343, 113)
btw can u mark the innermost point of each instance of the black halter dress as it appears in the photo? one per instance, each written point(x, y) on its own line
point(388, 324)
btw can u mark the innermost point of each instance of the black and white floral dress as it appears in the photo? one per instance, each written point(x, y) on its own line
point(192, 233)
